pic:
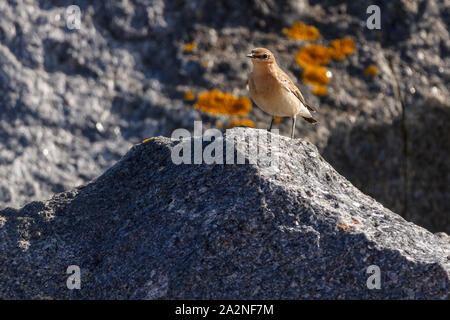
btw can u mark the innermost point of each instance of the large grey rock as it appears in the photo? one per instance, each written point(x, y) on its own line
point(150, 229)
point(73, 101)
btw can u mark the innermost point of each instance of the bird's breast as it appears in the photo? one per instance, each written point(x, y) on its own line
point(272, 97)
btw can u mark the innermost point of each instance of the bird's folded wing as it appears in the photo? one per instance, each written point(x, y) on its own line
point(290, 86)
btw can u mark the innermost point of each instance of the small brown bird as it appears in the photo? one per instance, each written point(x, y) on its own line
point(273, 91)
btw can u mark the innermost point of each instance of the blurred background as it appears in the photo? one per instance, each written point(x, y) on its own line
point(76, 94)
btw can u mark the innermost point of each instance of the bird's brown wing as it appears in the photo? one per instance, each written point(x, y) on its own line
point(290, 86)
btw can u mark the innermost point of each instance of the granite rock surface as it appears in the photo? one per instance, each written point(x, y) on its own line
point(289, 228)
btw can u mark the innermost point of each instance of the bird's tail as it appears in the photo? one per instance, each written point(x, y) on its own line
point(310, 120)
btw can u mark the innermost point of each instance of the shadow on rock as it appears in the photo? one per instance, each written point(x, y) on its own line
point(373, 158)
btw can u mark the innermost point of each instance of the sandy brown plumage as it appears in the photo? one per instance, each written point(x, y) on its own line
point(274, 92)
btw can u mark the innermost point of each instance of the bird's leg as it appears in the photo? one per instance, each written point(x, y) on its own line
point(293, 127)
point(271, 123)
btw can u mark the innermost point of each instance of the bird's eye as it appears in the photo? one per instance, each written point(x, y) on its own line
point(265, 56)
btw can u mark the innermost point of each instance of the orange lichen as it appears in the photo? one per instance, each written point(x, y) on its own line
point(189, 96)
point(320, 91)
point(277, 120)
point(313, 55)
point(188, 47)
point(241, 122)
point(371, 70)
point(147, 140)
point(299, 30)
point(317, 76)
point(217, 102)
point(341, 47)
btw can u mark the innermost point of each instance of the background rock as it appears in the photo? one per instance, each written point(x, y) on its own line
point(150, 229)
point(73, 101)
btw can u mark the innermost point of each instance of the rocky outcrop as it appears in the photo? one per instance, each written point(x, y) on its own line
point(151, 229)
point(72, 101)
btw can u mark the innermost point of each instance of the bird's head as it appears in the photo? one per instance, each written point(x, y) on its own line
point(261, 57)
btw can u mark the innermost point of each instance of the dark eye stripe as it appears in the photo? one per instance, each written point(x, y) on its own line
point(260, 57)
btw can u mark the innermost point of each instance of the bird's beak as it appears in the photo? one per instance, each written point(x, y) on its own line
point(250, 55)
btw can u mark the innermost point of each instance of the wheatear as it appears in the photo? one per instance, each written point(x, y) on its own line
point(273, 91)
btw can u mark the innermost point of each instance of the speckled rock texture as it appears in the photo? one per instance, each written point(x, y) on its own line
point(150, 229)
point(72, 102)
